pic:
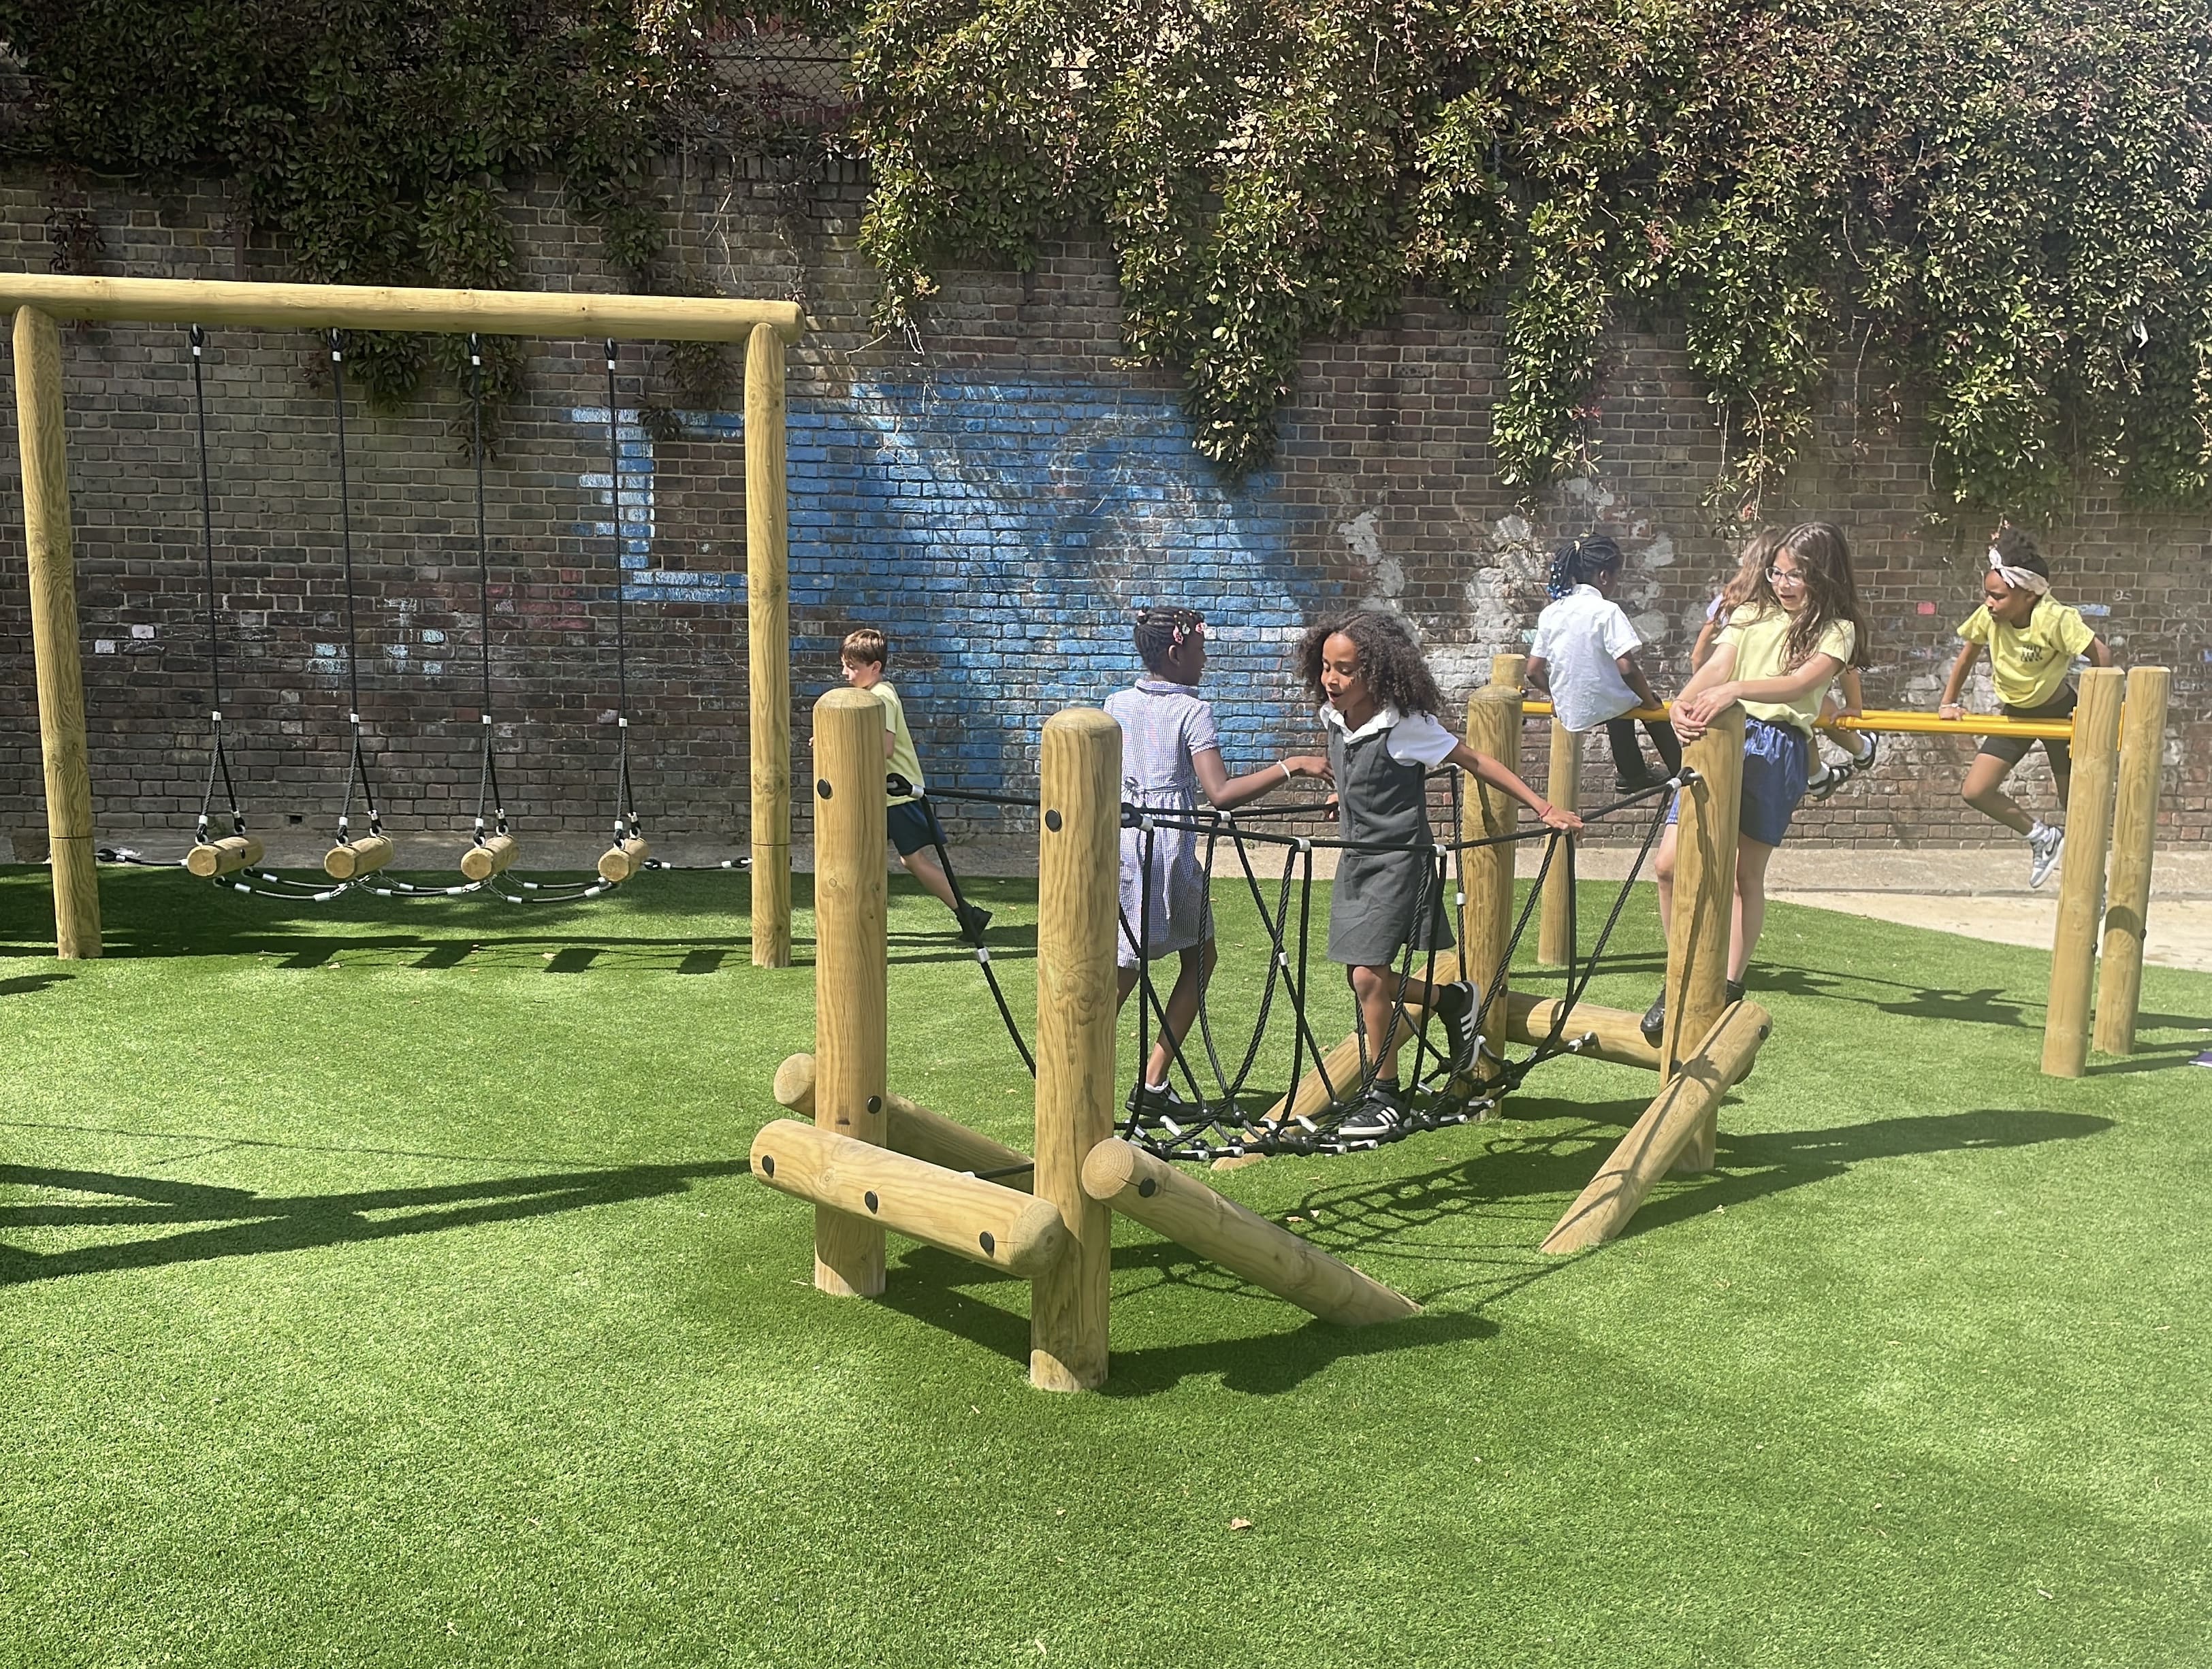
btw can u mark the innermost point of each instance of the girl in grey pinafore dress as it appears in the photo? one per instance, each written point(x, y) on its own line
point(1383, 901)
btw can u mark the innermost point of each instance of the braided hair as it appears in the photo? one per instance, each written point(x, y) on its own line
point(1580, 561)
point(1160, 632)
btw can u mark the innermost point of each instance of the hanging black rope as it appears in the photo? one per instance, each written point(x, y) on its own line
point(357, 774)
point(487, 793)
point(218, 753)
point(626, 819)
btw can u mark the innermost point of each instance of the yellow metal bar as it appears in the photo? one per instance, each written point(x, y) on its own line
point(1894, 721)
point(383, 308)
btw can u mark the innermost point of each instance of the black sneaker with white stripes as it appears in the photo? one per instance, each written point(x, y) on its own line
point(1381, 1114)
point(1455, 1009)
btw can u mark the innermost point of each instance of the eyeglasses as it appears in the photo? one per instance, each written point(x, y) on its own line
point(1776, 576)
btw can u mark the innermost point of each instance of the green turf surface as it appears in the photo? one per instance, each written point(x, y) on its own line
point(383, 1285)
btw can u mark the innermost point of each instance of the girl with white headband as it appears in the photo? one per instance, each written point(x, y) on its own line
point(2033, 639)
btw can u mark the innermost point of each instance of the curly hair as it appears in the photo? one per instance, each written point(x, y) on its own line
point(1389, 660)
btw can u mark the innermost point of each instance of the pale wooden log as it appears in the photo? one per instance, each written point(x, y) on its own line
point(490, 856)
point(1705, 906)
point(1611, 1034)
point(1493, 727)
point(352, 859)
point(879, 1188)
point(916, 1132)
point(1509, 672)
point(209, 858)
point(768, 648)
point(1672, 1122)
point(851, 899)
point(624, 859)
point(1186, 1210)
point(2134, 826)
point(40, 419)
point(1563, 787)
point(2081, 884)
point(1078, 867)
point(387, 307)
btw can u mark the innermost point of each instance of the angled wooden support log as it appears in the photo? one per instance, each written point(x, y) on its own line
point(916, 1132)
point(962, 1215)
point(1192, 1215)
point(1675, 1118)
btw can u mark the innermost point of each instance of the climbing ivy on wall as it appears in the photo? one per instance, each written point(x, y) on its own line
point(374, 137)
point(2008, 203)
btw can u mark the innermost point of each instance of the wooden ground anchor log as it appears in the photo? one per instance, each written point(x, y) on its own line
point(488, 857)
point(624, 859)
point(225, 857)
point(355, 859)
point(1671, 1123)
point(916, 1132)
point(962, 1215)
point(1186, 1210)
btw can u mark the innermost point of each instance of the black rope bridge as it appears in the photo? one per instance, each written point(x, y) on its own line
point(1439, 1091)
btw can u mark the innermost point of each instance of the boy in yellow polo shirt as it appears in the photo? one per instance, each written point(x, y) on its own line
point(912, 825)
point(2033, 639)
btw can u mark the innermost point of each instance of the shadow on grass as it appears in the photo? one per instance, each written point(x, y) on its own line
point(937, 1288)
point(26, 985)
point(242, 1223)
point(1532, 1177)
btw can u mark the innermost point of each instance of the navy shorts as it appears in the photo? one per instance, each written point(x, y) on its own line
point(913, 826)
point(2014, 748)
point(1775, 759)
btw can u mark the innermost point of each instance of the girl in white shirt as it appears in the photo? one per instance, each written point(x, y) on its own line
point(1583, 659)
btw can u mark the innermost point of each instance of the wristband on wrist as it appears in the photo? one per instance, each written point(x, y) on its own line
point(1289, 775)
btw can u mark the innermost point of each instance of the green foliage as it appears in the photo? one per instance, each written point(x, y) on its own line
point(2011, 203)
point(373, 136)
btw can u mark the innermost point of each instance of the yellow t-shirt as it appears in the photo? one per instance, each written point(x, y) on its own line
point(1761, 638)
point(903, 761)
point(2029, 663)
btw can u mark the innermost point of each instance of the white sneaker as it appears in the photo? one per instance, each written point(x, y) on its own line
point(2044, 846)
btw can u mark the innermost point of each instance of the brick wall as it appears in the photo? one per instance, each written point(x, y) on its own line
point(997, 495)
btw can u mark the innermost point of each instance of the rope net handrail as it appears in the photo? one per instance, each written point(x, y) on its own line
point(1221, 1123)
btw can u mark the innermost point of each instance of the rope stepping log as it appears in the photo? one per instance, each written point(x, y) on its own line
point(870, 1161)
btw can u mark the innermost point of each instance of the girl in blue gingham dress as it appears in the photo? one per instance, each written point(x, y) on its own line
point(1170, 757)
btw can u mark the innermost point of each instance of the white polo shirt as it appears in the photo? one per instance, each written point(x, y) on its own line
point(1581, 638)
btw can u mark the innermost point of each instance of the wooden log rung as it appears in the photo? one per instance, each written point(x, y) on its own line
point(226, 856)
point(488, 857)
point(915, 1130)
point(352, 859)
point(963, 1215)
point(624, 858)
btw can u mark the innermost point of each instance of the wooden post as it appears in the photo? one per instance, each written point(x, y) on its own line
point(2081, 885)
point(1493, 726)
point(870, 1185)
point(2135, 825)
point(1079, 869)
point(916, 1132)
point(1186, 1210)
point(1680, 1110)
point(1705, 908)
point(851, 960)
point(767, 649)
point(39, 417)
point(1555, 946)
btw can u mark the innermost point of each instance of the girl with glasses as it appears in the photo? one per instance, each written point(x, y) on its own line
point(1779, 655)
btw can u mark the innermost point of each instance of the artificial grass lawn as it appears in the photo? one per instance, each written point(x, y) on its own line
point(383, 1286)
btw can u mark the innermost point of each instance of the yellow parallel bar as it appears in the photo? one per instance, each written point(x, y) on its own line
point(383, 307)
point(1894, 721)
